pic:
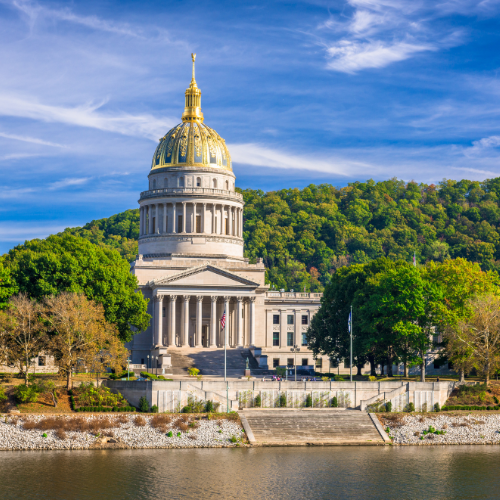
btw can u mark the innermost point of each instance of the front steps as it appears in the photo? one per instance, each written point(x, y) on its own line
point(300, 427)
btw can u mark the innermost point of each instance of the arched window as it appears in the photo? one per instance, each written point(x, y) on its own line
point(198, 181)
point(181, 182)
point(165, 183)
point(227, 185)
point(215, 183)
point(154, 183)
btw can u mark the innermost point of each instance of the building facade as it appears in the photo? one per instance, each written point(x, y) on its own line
point(191, 264)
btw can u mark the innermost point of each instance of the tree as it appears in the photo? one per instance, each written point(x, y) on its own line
point(22, 333)
point(480, 334)
point(7, 287)
point(41, 268)
point(79, 333)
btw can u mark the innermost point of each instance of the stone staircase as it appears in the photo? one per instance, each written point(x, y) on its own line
point(310, 427)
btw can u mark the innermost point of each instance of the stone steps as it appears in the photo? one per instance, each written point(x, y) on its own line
point(305, 426)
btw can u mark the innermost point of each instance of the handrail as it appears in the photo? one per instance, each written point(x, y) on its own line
point(195, 190)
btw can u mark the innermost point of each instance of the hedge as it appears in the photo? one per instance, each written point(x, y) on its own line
point(463, 407)
point(105, 408)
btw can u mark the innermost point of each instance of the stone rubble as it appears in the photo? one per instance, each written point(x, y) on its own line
point(466, 429)
point(208, 435)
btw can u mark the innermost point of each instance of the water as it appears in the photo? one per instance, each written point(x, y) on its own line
point(453, 472)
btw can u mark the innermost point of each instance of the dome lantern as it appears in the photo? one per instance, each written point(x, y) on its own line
point(192, 110)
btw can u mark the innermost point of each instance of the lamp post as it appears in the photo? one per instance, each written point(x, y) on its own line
point(295, 349)
point(128, 368)
point(147, 366)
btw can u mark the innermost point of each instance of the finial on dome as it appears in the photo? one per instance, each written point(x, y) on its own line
point(192, 110)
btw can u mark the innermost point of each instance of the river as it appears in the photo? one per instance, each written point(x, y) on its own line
point(452, 472)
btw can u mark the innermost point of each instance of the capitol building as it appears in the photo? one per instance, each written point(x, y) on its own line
point(191, 263)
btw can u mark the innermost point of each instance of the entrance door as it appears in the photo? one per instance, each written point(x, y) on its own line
point(204, 335)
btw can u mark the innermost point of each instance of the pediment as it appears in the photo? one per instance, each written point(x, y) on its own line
point(206, 275)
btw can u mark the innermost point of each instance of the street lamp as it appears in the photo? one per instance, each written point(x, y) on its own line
point(295, 349)
point(128, 368)
point(147, 366)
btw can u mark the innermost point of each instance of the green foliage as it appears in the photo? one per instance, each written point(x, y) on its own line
point(411, 407)
point(143, 404)
point(154, 409)
point(209, 407)
point(372, 378)
point(42, 268)
point(280, 371)
point(388, 407)
point(170, 434)
point(26, 394)
point(335, 402)
point(309, 401)
point(433, 430)
point(437, 407)
point(258, 401)
point(88, 395)
point(282, 400)
point(118, 376)
point(3, 396)
point(193, 372)
point(152, 376)
point(339, 378)
point(7, 286)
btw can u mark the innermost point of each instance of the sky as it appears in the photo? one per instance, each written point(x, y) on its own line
point(302, 92)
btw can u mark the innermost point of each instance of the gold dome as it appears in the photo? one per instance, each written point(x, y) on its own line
point(192, 143)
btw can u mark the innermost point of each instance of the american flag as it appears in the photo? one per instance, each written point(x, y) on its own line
point(223, 319)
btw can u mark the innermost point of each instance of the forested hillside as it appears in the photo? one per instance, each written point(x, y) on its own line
point(304, 235)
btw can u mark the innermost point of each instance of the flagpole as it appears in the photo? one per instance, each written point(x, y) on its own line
point(225, 342)
point(351, 344)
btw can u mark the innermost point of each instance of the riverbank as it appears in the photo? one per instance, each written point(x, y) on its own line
point(126, 431)
point(457, 428)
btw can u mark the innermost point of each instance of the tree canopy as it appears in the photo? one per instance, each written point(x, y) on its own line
point(41, 268)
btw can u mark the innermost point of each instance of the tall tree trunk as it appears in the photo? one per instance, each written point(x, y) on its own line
point(422, 368)
point(68, 380)
point(461, 374)
point(389, 366)
point(359, 367)
point(373, 366)
point(405, 369)
point(487, 373)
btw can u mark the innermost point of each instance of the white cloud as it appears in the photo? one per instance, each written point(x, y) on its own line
point(350, 57)
point(32, 140)
point(484, 147)
point(87, 115)
point(69, 182)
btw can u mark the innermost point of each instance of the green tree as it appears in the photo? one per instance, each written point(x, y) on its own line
point(41, 268)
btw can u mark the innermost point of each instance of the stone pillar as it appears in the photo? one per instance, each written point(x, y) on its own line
point(171, 324)
point(193, 227)
point(174, 217)
point(297, 328)
point(203, 218)
point(252, 321)
point(283, 327)
point(150, 220)
point(229, 220)
point(184, 216)
point(213, 321)
point(141, 222)
point(225, 336)
point(239, 322)
point(158, 330)
point(165, 218)
point(185, 329)
point(241, 223)
point(214, 229)
point(199, 320)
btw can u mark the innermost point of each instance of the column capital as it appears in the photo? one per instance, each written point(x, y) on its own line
point(200, 298)
point(252, 299)
point(239, 299)
point(173, 298)
point(214, 298)
point(158, 298)
point(227, 298)
point(186, 298)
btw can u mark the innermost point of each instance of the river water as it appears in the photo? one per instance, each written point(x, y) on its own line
point(453, 472)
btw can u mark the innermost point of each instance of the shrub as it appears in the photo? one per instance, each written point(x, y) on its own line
point(258, 401)
point(282, 401)
point(496, 400)
point(143, 404)
point(3, 396)
point(88, 395)
point(117, 376)
point(193, 372)
point(26, 394)
point(309, 401)
point(388, 407)
point(139, 421)
point(338, 378)
point(371, 378)
point(209, 407)
point(335, 402)
point(170, 434)
point(187, 409)
point(411, 407)
point(325, 379)
point(154, 409)
point(437, 407)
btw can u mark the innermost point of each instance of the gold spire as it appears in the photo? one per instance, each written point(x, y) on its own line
point(192, 110)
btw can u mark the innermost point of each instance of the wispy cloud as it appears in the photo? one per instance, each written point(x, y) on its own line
point(32, 140)
point(69, 182)
point(20, 231)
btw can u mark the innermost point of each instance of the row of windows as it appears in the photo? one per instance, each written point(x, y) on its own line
point(289, 339)
point(290, 362)
point(290, 319)
point(180, 183)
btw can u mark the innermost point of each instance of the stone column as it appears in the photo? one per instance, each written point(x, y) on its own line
point(239, 322)
point(150, 219)
point(193, 227)
point(199, 320)
point(203, 218)
point(213, 321)
point(283, 327)
point(165, 219)
point(225, 335)
point(141, 222)
point(297, 327)
point(214, 229)
point(252, 321)
point(171, 324)
point(184, 216)
point(174, 218)
point(229, 220)
point(185, 329)
point(158, 330)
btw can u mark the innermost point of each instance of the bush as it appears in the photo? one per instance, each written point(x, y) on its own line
point(187, 409)
point(338, 378)
point(335, 402)
point(282, 400)
point(3, 396)
point(26, 394)
point(371, 378)
point(209, 407)
point(88, 395)
point(309, 401)
point(496, 400)
point(117, 376)
point(170, 434)
point(411, 407)
point(154, 409)
point(152, 376)
point(388, 407)
point(193, 372)
point(258, 401)
point(437, 407)
point(143, 404)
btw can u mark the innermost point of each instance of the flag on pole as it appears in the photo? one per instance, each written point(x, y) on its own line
point(415, 259)
point(223, 319)
point(350, 322)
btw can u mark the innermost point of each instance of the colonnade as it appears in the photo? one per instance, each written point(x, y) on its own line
point(178, 333)
point(182, 217)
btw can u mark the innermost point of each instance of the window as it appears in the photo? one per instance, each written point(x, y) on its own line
point(305, 319)
point(41, 360)
point(198, 223)
point(276, 319)
point(289, 362)
point(289, 319)
point(227, 225)
point(181, 182)
point(436, 364)
point(289, 339)
point(227, 185)
point(198, 181)
point(166, 224)
point(179, 223)
point(276, 339)
point(304, 339)
point(165, 183)
point(163, 312)
point(319, 363)
point(154, 224)
point(276, 362)
point(304, 362)
point(214, 182)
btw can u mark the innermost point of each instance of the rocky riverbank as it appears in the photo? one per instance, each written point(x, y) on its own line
point(124, 431)
point(442, 428)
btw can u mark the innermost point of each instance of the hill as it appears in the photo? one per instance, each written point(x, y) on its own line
point(304, 235)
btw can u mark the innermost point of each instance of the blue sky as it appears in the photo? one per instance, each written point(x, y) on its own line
point(302, 92)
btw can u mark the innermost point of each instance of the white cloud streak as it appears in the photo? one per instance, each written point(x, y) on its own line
point(32, 140)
